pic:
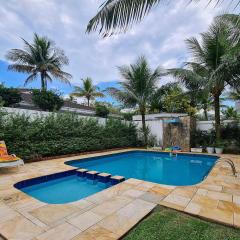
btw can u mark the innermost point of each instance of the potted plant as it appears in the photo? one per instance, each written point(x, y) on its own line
point(197, 149)
point(219, 147)
point(210, 148)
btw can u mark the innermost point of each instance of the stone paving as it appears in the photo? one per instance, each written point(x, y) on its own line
point(111, 213)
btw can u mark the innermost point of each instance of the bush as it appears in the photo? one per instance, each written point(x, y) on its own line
point(101, 110)
point(230, 135)
point(128, 116)
point(47, 100)
point(62, 133)
point(9, 96)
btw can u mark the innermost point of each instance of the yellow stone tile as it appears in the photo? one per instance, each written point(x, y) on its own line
point(50, 214)
point(133, 193)
point(185, 192)
point(118, 224)
point(236, 220)
point(205, 201)
point(202, 192)
point(85, 220)
point(236, 199)
point(19, 228)
point(217, 215)
point(177, 199)
point(64, 231)
point(125, 218)
point(211, 187)
point(228, 206)
point(171, 205)
point(133, 181)
point(160, 190)
point(193, 208)
point(6, 213)
point(82, 204)
point(219, 196)
point(111, 206)
point(96, 233)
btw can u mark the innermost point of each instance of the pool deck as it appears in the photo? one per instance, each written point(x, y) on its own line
point(111, 213)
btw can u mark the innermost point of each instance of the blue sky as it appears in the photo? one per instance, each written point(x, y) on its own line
point(160, 37)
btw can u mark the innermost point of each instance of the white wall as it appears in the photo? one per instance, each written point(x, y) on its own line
point(35, 113)
point(156, 129)
point(209, 125)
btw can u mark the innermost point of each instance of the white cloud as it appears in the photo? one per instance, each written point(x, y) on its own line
point(160, 36)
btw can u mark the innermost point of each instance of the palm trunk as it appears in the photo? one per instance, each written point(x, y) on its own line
point(88, 101)
point(205, 113)
point(43, 85)
point(144, 128)
point(217, 117)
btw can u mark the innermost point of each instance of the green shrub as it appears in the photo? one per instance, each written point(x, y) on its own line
point(62, 133)
point(230, 135)
point(101, 110)
point(47, 100)
point(9, 96)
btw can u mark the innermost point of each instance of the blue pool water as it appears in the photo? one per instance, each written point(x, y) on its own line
point(183, 170)
point(63, 189)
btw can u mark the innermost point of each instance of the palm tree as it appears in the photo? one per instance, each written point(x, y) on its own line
point(89, 91)
point(118, 15)
point(230, 113)
point(212, 64)
point(39, 58)
point(140, 82)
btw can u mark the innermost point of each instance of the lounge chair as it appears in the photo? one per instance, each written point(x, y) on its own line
point(7, 160)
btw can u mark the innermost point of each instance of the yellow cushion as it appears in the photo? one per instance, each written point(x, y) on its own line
point(8, 158)
point(3, 149)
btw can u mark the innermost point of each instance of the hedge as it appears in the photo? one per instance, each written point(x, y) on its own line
point(62, 133)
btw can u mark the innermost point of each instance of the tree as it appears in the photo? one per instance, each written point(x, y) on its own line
point(40, 58)
point(171, 98)
point(89, 91)
point(118, 15)
point(9, 96)
point(101, 110)
point(230, 113)
point(47, 100)
point(140, 81)
point(215, 58)
point(194, 82)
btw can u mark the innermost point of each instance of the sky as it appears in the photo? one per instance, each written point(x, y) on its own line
point(160, 37)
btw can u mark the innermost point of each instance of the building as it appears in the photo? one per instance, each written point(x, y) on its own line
point(27, 103)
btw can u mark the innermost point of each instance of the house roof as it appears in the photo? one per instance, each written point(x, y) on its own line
point(26, 95)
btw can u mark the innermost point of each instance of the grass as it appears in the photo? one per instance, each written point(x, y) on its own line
point(167, 224)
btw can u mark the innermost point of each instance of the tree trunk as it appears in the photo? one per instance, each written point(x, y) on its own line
point(205, 114)
point(88, 101)
point(144, 128)
point(217, 116)
point(43, 85)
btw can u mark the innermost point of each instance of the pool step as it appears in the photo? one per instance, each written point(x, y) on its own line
point(116, 179)
point(82, 172)
point(100, 177)
point(92, 175)
point(103, 177)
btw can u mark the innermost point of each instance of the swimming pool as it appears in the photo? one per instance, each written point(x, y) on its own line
point(59, 188)
point(157, 167)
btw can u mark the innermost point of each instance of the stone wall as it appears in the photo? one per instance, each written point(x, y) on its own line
point(177, 133)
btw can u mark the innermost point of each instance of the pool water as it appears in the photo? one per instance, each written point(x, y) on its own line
point(63, 189)
point(157, 167)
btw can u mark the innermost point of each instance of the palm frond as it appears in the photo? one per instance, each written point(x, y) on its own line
point(117, 16)
point(21, 68)
point(30, 78)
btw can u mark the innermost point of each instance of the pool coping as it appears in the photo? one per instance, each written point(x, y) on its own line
point(114, 211)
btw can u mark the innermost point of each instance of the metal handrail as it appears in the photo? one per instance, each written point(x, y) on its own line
point(231, 163)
